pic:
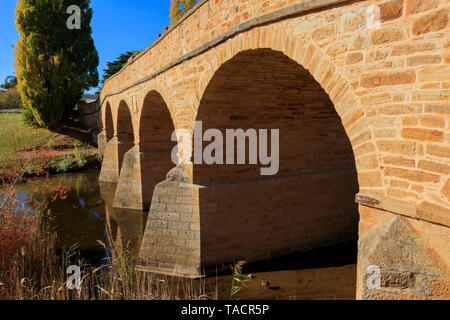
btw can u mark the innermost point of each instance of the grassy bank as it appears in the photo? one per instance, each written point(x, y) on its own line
point(15, 135)
point(65, 150)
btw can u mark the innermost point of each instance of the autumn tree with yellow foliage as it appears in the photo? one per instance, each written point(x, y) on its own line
point(178, 8)
point(55, 64)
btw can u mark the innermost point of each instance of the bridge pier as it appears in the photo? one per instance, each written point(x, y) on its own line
point(171, 243)
point(110, 166)
point(129, 188)
point(112, 160)
point(140, 172)
point(102, 141)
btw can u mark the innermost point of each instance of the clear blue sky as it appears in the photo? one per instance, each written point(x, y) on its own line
point(117, 25)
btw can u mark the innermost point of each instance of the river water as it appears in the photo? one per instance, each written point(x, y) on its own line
point(84, 218)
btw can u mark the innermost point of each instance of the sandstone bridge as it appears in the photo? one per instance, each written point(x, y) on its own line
point(363, 109)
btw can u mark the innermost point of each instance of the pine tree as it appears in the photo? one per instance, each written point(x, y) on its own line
point(54, 64)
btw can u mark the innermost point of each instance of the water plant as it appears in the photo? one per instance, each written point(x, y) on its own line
point(239, 279)
point(67, 163)
point(76, 154)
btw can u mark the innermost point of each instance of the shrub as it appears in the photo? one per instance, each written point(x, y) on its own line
point(12, 99)
point(2, 99)
point(66, 164)
point(99, 157)
point(85, 157)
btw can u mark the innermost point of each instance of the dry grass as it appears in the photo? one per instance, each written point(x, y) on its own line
point(36, 272)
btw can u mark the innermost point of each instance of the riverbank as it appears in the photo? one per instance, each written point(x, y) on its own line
point(37, 151)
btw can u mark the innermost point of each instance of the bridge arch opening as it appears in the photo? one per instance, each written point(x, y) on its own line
point(310, 202)
point(155, 145)
point(125, 133)
point(108, 124)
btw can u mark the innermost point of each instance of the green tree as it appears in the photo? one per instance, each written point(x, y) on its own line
point(55, 64)
point(178, 8)
point(10, 82)
point(115, 66)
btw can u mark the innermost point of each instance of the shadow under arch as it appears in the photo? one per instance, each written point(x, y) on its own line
point(310, 202)
point(125, 131)
point(108, 123)
point(148, 162)
point(310, 57)
point(155, 143)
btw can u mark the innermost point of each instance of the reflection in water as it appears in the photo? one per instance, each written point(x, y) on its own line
point(86, 217)
point(130, 224)
point(81, 219)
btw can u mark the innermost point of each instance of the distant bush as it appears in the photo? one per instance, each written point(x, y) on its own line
point(12, 99)
point(2, 99)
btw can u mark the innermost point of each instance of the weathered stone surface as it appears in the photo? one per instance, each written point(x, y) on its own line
point(430, 23)
point(409, 268)
point(434, 167)
point(386, 36)
point(354, 58)
point(102, 141)
point(391, 10)
point(351, 21)
point(422, 134)
point(387, 79)
point(417, 6)
point(423, 60)
point(441, 73)
point(399, 161)
point(446, 190)
point(438, 151)
point(110, 167)
point(432, 121)
point(413, 175)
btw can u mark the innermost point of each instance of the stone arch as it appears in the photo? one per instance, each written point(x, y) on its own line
point(322, 69)
point(147, 163)
point(156, 85)
point(124, 131)
point(317, 181)
point(156, 121)
point(124, 123)
point(108, 122)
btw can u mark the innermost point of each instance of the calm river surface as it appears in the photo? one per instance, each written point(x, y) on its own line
point(83, 218)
